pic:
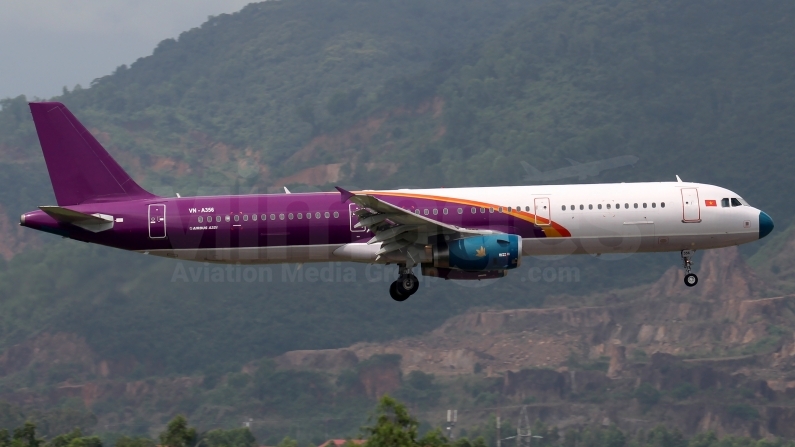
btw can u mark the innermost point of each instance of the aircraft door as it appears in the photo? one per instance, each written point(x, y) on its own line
point(691, 210)
point(352, 208)
point(157, 221)
point(541, 206)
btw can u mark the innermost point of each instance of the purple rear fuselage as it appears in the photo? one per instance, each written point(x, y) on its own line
point(238, 228)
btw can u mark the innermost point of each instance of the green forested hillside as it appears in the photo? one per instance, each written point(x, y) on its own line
point(702, 89)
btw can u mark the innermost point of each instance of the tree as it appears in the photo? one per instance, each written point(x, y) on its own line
point(25, 436)
point(127, 441)
point(178, 434)
point(75, 438)
point(395, 427)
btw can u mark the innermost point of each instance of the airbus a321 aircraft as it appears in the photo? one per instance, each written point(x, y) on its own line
point(456, 233)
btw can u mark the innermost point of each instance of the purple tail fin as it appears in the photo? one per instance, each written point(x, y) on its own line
point(81, 170)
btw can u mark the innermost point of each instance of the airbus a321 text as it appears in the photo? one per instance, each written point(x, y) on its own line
point(450, 233)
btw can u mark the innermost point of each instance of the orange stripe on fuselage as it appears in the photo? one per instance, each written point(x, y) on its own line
point(550, 228)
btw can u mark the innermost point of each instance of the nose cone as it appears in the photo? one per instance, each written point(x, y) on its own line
point(765, 224)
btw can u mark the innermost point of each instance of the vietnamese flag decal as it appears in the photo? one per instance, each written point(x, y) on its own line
point(711, 202)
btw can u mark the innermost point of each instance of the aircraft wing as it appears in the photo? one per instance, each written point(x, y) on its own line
point(397, 228)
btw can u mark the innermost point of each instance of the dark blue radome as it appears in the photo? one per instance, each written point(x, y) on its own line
point(481, 253)
point(765, 224)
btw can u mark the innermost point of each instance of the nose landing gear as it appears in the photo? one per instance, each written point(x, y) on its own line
point(690, 278)
point(406, 285)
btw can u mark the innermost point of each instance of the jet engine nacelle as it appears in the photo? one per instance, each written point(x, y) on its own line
point(480, 253)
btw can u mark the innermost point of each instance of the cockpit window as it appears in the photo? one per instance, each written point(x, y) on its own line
point(724, 203)
point(736, 202)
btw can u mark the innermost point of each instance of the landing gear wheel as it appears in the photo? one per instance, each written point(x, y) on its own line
point(408, 284)
point(691, 280)
point(395, 293)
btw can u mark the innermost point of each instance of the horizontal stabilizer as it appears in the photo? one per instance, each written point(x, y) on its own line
point(91, 222)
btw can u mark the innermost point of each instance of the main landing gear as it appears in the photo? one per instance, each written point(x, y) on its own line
point(405, 286)
point(690, 278)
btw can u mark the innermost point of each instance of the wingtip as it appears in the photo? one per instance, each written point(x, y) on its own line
point(345, 195)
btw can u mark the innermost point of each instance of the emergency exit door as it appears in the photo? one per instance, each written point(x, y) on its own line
point(691, 210)
point(157, 221)
point(542, 211)
point(352, 208)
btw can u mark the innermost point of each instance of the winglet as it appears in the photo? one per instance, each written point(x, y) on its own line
point(678, 179)
point(345, 195)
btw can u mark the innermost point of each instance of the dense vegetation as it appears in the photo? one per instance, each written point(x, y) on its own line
point(392, 425)
point(702, 89)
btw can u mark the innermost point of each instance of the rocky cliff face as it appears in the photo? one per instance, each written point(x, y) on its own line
point(724, 317)
point(726, 337)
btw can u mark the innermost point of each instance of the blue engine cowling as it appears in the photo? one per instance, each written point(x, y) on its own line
point(480, 253)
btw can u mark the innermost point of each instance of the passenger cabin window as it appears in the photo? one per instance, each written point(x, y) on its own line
point(608, 206)
point(599, 206)
point(626, 206)
point(218, 218)
point(635, 205)
point(474, 210)
point(644, 205)
point(460, 211)
point(436, 211)
point(590, 207)
point(245, 217)
point(563, 208)
point(662, 204)
point(317, 215)
point(254, 217)
point(227, 218)
point(273, 216)
point(326, 215)
point(736, 202)
point(336, 214)
point(654, 205)
point(527, 208)
point(200, 219)
point(300, 215)
point(237, 218)
point(581, 207)
point(445, 211)
point(281, 216)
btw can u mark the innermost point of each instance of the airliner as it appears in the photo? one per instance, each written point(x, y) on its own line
point(449, 233)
